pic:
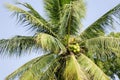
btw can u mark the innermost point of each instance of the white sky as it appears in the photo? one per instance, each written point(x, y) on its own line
point(8, 28)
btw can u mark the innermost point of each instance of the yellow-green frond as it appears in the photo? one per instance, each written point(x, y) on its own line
point(34, 68)
point(50, 43)
point(92, 69)
point(28, 75)
point(73, 70)
point(50, 72)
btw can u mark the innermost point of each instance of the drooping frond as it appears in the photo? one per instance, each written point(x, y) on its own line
point(49, 73)
point(19, 71)
point(98, 28)
point(103, 46)
point(50, 43)
point(71, 15)
point(95, 72)
point(73, 70)
point(17, 45)
point(34, 68)
point(32, 11)
point(31, 18)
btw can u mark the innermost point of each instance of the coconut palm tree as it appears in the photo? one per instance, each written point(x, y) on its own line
point(68, 50)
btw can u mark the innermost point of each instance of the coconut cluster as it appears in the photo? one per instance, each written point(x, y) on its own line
point(74, 48)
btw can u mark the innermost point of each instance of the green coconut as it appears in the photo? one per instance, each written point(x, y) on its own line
point(74, 48)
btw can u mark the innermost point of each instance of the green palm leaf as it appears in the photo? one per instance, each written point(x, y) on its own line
point(50, 43)
point(73, 70)
point(95, 72)
point(32, 11)
point(35, 67)
point(29, 18)
point(98, 28)
point(71, 16)
point(103, 46)
point(49, 74)
point(17, 45)
point(53, 8)
point(28, 75)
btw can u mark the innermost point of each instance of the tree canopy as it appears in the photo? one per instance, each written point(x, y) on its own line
point(69, 53)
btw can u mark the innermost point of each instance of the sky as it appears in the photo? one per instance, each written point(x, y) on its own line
point(9, 28)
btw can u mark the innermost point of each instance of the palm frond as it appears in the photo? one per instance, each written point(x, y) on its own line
point(49, 73)
point(32, 11)
point(35, 67)
point(98, 28)
point(71, 15)
point(17, 45)
point(32, 19)
point(103, 46)
point(28, 75)
point(95, 72)
point(19, 71)
point(53, 8)
point(50, 43)
point(73, 70)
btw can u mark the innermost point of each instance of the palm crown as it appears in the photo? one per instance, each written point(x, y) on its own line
point(70, 50)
